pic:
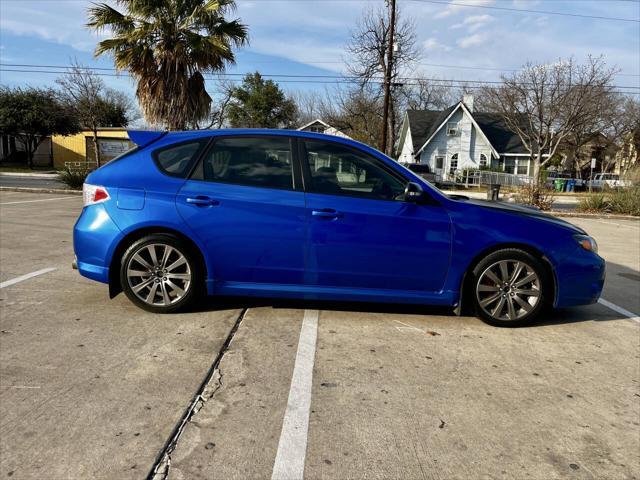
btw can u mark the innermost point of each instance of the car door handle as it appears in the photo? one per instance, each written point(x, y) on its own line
point(202, 201)
point(326, 213)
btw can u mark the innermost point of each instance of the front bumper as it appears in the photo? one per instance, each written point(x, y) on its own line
point(579, 279)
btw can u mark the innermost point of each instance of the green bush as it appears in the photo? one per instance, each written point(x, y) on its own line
point(596, 202)
point(73, 178)
point(624, 201)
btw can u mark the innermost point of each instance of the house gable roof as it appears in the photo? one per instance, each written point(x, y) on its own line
point(502, 138)
point(425, 124)
point(317, 120)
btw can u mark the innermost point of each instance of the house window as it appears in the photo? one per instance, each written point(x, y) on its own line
point(483, 160)
point(510, 165)
point(452, 129)
point(316, 129)
point(523, 166)
point(439, 162)
point(453, 165)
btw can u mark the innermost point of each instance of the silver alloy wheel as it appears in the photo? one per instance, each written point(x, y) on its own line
point(159, 274)
point(508, 290)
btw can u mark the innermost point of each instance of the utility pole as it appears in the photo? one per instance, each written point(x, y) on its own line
point(387, 75)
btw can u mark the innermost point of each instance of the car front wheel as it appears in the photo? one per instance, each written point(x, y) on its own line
point(510, 288)
point(159, 274)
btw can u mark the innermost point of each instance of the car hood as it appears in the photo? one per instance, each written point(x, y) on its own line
point(526, 211)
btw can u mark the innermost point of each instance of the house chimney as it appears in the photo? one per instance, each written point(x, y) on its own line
point(467, 98)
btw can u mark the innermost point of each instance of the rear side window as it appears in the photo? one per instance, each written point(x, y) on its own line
point(177, 160)
point(252, 161)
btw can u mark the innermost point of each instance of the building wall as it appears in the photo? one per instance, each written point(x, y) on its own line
point(468, 144)
point(74, 148)
point(406, 149)
point(9, 146)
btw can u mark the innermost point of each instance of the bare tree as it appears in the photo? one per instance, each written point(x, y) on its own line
point(545, 104)
point(220, 102)
point(426, 94)
point(309, 106)
point(368, 62)
point(95, 106)
point(355, 111)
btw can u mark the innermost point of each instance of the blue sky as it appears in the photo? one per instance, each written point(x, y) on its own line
point(308, 36)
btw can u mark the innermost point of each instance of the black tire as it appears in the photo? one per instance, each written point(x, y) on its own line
point(534, 303)
point(190, 268)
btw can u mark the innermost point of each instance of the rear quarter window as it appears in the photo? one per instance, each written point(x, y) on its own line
point(177, 160)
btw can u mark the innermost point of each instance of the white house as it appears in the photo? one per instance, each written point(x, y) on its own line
point(459, 138)
point(318, 126)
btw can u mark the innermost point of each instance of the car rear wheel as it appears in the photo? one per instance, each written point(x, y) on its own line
point(510, 288)
point(159, 274)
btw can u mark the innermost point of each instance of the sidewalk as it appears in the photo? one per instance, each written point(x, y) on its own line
point(561, 202)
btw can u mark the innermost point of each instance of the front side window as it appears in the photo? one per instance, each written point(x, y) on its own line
point(252, 161)
point(339, 170)
point(439, 162)
point(483, 160)
point(176, 160)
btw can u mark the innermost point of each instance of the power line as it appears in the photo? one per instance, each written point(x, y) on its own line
point(452, 83)
point(489, 7)
point(465, 5)
point(399, 79)
point(525, 10)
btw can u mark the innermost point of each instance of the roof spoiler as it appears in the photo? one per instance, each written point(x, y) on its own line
point(143, 138)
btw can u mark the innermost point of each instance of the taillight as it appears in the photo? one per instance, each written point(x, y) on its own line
point(93, 194)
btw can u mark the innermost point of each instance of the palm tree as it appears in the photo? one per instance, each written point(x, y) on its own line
point(167, 45)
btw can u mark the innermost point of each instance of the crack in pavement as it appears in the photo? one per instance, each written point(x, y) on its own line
point(210, 385)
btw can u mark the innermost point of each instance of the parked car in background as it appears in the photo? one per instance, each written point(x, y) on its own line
point(606, 180)
point(423, 170)
point(277, 213)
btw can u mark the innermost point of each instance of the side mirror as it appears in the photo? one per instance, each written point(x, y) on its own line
point(413, 193)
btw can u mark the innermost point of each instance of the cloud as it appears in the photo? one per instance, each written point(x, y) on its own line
point(431, 44)
point(472, 40)
point(458, 7)
point(473, 23)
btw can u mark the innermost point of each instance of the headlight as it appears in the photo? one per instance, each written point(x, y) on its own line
point(587, 242)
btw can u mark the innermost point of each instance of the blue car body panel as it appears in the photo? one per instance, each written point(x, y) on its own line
point(269, 242)
point(252, 235)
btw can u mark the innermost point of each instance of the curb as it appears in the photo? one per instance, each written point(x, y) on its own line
point(37, 175)
point(40, 190)
point(594, 216)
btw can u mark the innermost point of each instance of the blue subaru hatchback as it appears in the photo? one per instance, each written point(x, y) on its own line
point(288, 214)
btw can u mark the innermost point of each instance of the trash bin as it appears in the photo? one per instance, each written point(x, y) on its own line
point(558, 183)
point(571, 185)
point(493, 191)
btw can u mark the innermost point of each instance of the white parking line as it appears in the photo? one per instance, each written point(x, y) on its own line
point(292, 447)
point(630, 225)
point(41, 200)
point(27, 276)
point(632, 316)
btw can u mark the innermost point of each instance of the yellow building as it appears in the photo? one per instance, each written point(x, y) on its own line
point(76, 150)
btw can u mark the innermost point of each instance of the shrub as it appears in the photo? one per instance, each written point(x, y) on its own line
point(596, 202)
point(536, 194)
point(73, 178)
point(626, 200)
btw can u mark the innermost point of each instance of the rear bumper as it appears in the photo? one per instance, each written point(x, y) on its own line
point(580, 279)
point(94, 236)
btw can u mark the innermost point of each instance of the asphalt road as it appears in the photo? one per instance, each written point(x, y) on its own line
point(96, 388)
point(29, 182)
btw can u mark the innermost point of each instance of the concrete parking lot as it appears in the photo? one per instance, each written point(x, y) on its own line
point(96, 388)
